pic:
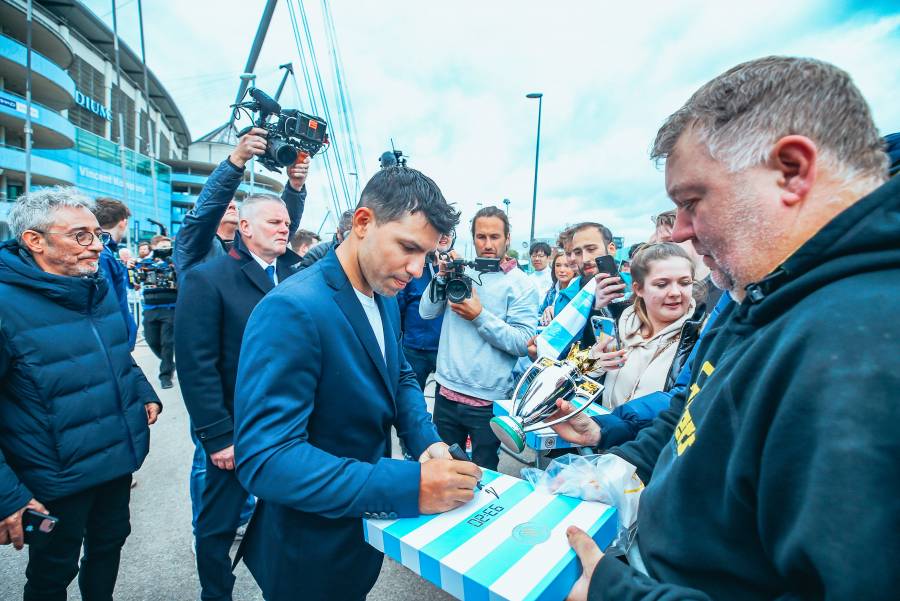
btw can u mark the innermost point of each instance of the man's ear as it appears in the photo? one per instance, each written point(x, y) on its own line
point(244, 228)
point(33, 241)
point(363, 219)
point(795, 157)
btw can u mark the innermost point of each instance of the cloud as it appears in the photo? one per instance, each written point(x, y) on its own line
point(447, 81)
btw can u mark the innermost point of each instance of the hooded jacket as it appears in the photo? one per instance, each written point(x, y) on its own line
point(71, 397)
point(782, 478)
point(648, 360)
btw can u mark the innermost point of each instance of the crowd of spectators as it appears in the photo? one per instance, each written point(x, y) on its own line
point(729, 388)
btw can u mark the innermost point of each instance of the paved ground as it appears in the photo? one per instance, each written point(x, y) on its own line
point(157, 562)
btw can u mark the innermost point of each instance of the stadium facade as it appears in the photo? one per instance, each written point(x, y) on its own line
point(76, 109)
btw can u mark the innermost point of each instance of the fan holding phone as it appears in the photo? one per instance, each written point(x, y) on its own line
point(637, 351)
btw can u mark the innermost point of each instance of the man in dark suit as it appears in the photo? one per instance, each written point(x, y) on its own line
point(322, 379)
point(214, 304)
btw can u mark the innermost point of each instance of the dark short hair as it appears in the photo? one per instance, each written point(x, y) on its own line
point(304, 237)
point(397, 190)
point(491, 212)
point(539, 247)
point(144, 243)
point(605, 232)
point(109, 211)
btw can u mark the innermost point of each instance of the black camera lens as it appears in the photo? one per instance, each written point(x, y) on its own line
point(282, 152)
point(458, 290)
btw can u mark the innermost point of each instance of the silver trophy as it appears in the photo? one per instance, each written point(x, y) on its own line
point(534, 400)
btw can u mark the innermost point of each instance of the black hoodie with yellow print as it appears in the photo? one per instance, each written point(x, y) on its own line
point(782, 480)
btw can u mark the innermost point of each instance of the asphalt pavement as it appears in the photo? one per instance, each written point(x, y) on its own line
point(157, 560)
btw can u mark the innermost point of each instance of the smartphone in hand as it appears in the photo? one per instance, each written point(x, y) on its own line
point(37, 526)
point(606, 328)
point(607, 264)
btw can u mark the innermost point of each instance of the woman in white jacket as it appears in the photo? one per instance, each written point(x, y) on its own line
point(662, 280)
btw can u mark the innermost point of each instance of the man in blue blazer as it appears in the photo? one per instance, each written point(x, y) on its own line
point(322, 378)
point(214, 304)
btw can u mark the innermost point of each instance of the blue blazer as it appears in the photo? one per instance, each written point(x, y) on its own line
point(313, 408)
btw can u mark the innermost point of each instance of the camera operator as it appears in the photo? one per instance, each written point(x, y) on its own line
point(214, 304)
point(209, 228)
point(481, 338)
point(112, 215)
point(157, 276)
point(421, 337)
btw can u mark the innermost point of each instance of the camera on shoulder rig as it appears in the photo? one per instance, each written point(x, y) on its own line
point(455, 286)
point(292, 136)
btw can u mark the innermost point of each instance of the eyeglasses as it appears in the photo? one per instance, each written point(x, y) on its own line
point(83, 238)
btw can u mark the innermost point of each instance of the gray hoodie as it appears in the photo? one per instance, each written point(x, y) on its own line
point(476, 358)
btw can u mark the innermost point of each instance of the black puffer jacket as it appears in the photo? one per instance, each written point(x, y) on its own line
point(71, 397)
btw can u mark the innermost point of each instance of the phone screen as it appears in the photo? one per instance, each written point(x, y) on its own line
point(605, 329)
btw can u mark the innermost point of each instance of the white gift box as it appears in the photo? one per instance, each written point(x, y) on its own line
point(511, 548)
point(546, 439)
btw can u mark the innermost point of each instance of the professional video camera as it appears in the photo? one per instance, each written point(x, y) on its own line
point(392, 157)
point(157, 270)
point(294, 135)
point(455, 286)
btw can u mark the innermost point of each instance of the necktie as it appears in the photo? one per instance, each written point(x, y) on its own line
point(270, 271)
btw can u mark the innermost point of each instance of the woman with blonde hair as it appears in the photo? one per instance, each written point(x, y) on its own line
point(562, 275)
point(662, 281)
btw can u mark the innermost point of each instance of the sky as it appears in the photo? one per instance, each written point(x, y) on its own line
point(447, 81)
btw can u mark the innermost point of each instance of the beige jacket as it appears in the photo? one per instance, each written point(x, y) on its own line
point(647, 361)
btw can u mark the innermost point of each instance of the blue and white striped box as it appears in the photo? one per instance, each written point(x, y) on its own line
point(512, 548)
point(546, 439)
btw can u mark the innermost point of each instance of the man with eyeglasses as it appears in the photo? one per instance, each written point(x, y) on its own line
point(74, 407)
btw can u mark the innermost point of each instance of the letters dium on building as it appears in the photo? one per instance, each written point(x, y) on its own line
point(92, 105)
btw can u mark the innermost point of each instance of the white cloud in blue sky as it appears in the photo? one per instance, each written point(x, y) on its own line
point(448, 81)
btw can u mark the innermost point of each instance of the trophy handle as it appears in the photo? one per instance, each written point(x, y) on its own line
point(539, 425)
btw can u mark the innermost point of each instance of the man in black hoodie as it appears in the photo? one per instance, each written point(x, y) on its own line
point(781, 480)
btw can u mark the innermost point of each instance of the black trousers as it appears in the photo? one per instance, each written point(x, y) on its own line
point(159, 331)
point(97, 518)
point(455, 421)
point(222, 502)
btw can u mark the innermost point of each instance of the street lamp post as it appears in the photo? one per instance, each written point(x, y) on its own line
point(506, 202)
point(537, 154)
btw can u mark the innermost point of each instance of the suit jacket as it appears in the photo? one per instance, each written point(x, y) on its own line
point(314, 405)
point(197, 241)
point(214, 304)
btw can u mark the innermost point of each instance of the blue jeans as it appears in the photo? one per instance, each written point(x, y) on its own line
point(198, 475)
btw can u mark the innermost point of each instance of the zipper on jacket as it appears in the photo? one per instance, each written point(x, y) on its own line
point(112, 371)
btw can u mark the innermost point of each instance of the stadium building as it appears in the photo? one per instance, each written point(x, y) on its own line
point(77, 108)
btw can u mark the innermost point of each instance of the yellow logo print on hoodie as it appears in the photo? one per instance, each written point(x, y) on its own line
point(685, 431)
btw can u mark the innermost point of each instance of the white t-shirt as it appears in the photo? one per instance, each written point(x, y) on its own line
point(374, 316)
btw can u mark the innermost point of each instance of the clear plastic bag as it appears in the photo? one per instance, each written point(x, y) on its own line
point(605, 478)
